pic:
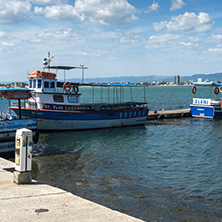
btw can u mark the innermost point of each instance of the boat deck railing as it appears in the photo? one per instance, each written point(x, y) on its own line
point(88, 106)
point(24, 104)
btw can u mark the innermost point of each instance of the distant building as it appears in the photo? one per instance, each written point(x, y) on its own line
point(177, 79)
point(18, 85)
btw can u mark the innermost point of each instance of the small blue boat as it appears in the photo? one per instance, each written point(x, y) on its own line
point(9, 123)
point(207, 107)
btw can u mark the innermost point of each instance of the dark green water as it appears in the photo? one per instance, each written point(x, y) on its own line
point(159, 97)
point(165, 171)
point(169, 170)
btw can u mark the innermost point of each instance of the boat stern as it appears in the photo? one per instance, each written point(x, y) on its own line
point(206, 108)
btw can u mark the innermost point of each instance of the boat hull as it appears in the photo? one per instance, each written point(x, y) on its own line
point(8, 130)
point(52, 120)
point(208, 112)
point(6, 147)
point(49, 124)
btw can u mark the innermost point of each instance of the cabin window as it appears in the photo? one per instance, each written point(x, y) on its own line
point(32, 104)
point(58, 98)
point(52, 84)
point(46, 84)
point(73, 99)
point(34, 83)
point(39, 83)
point(30, 83)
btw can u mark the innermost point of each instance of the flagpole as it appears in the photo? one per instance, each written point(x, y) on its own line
point(49, 60)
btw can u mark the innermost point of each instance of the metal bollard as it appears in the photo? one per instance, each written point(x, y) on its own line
point(23, 156)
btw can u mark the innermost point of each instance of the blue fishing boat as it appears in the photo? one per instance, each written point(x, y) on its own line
point(207, 107)
point(63, 110)
point(9, 123)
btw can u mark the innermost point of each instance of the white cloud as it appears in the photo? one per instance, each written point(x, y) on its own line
point(84, 54)
point(188, 22)
point(159, 26)
point(7, 44)
point(45, 2)
point(114, 12)
point(60, 12)
point(167, 41)
point(189, 44)
point(129, 37)
point(216, 38)
point(13, 11)
point(171, 42)
point(2, 34)
point(153, 7)
point(163, 38)
point(176, 4)
point(194, 39)
point(215, 50)
point(60, 35)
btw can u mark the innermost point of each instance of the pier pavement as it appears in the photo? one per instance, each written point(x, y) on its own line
point(168, 114)
point(41, 202)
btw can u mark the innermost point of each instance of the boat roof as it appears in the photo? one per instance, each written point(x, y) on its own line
point(15, 93)
point(62, 67)
point(207, 84)
point(109, 84)
point(15, 89)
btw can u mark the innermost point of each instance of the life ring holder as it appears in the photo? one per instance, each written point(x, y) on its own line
point(65, 86)
point(216, 90)
point(194, 89)
point(76, 88)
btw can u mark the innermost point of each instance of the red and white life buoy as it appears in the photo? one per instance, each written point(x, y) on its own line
point(194, 89)
point(216, 90)
point(67, 86)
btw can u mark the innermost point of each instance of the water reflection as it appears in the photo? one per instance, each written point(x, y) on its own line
point(166, 171)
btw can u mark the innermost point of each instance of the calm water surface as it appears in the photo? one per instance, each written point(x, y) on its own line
point(165, 171)
point(169, 170)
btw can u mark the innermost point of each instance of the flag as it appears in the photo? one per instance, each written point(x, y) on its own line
point(46, 61)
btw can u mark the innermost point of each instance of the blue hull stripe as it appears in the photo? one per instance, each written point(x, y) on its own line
point(206, 111)
point(81, 115)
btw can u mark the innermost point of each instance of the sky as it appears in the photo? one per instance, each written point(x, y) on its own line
point(111, 37)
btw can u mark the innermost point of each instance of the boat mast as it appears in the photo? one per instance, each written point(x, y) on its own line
point(83, 67)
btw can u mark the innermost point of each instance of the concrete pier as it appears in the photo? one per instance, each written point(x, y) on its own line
point(41, 202)
point(167, 114)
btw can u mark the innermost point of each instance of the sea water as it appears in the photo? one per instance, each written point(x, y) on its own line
point(168, 170)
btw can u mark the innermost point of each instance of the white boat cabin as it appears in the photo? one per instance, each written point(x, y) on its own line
point(207, 102)
point(42, 81)
point(44, 86)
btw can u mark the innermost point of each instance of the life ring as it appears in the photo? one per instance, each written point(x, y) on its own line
point(194, 89)
point(216, 90)
point(220, 88)
point(67, 86)
point(76, 88)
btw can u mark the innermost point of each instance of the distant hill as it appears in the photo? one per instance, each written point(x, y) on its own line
point(211, 77)
point(124, 79)
point(151, 78)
